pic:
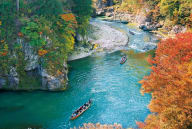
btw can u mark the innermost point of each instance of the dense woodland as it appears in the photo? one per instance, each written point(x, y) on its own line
point(48, 26)
point(172, 12)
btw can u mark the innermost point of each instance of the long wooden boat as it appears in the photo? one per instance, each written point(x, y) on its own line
point(81, 110)
point(123, 60)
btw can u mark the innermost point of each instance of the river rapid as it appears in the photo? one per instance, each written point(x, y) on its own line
point(114, 89)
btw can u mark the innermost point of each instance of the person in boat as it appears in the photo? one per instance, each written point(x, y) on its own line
point(73, 115)
point(81, 108)
point(123, 58)
point(86, 104)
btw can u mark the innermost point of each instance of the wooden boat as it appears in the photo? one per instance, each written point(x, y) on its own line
point(123, 60)
point(81, 110)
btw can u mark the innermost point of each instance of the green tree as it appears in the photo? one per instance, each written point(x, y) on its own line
point(83, 10)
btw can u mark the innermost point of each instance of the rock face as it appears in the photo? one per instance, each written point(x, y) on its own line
point(178, 29)
point(100, 12)
point(144, 22)
point(50, 82)
point(13, 78)
point(101, 3)
point(2, 82)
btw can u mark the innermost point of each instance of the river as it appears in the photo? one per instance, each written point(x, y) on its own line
point(114, 89)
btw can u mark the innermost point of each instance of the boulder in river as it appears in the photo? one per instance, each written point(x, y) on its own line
point(149, 46)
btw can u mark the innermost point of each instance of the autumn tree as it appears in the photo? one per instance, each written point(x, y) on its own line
point(170, 84)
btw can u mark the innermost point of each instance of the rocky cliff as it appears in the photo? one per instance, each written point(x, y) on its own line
point(36, 38)
point(34, 76)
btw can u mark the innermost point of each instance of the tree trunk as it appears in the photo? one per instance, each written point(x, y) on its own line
point(17, 4)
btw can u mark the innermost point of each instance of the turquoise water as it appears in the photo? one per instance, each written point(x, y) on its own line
point(114, 89)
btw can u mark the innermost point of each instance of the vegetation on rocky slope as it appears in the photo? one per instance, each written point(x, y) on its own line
point(46, 27)
point(178, 11)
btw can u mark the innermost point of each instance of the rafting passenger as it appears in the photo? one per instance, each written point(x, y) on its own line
point(123, 58)
point(73, 115)
point(80, 110)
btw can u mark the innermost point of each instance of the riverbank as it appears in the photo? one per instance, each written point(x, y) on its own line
point(103, 38)
point(142, 19)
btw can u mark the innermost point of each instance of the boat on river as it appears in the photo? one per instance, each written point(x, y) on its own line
point(81, 110)
point(123, 60)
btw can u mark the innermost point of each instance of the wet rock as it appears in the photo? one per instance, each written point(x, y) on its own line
point(108, 14)
point(111, 10)
point(178, 29)
point(143, 27)
point(148, 26)
point(123, 21)
point(13, 78)
point(2, 82)
point(131, 32)
point(158, 25)
point(53, 83)
point(100, 12)
point(149, 46)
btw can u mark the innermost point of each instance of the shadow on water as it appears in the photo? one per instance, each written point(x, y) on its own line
point(12, 108)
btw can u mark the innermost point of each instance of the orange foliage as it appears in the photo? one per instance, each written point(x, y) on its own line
point(69, 18)
point(20, 34)
point(140, 124)
point(3, 53)
point(42, 52)
point(40, 33)
point(59, 72)
point(2, 41)
point(170, 83)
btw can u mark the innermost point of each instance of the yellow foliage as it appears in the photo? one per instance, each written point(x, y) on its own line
point(42, 52)
point(96, 46)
